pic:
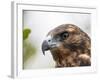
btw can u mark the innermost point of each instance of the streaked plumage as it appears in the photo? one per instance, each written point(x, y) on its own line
point(69, 45)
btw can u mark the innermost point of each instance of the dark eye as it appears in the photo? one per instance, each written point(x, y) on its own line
point(64, 35)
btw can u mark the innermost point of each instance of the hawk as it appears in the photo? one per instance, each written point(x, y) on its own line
point(69, 45)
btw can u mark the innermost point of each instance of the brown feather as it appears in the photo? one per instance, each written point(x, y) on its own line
point(73, 51)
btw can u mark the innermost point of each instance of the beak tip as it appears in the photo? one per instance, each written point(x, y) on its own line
point(44, 47)
point(43, 53)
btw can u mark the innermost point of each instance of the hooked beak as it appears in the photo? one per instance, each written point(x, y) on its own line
point(48, 44)
point(45, 46)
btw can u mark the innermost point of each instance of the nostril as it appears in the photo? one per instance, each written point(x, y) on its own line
point(49, 40)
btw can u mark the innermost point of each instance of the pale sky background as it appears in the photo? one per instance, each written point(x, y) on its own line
point(41, 23)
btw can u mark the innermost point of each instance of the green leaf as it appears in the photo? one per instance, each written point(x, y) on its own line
point(26, 33)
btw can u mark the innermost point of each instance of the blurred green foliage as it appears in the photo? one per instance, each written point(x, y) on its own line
point(28, 48)
point(26, 33)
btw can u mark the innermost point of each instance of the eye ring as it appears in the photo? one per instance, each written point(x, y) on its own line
point(64, 35)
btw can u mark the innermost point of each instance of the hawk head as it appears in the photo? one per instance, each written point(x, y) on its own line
point(66, 42)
